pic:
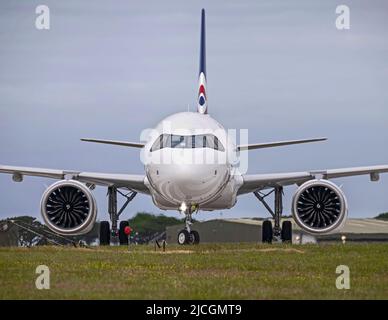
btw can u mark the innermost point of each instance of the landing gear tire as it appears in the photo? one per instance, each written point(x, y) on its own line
point(123, 238)
point(267, 232)
point(287, 231)
point(104, 233)
point(194, 237)
point(183, 237)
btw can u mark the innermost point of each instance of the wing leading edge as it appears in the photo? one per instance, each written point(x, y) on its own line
point(115, 142)
point(253, 182)
point(130, 181)
point(276, 144)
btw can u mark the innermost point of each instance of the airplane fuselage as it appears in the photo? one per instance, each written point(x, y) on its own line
point(188, 160)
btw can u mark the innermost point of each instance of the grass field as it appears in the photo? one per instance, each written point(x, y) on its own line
point(207, 271)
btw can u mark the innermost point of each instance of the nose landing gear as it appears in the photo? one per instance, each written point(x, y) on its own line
point(183, 237)
point(188, 236)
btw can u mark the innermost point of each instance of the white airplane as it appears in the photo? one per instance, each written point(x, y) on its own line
point(177, 179)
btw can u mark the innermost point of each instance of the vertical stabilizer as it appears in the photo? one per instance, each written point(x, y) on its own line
point(202, 92)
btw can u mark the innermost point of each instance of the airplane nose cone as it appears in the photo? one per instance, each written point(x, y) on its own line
point(194, 183)
point(188, 183)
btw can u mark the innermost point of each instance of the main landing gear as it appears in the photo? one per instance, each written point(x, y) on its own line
point(187, 236)
point(275, 233)
point(115, 234)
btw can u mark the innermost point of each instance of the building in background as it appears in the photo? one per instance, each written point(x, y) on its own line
point(249, 230)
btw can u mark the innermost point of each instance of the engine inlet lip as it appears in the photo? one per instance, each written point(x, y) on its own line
point(86, 224)
point(323, 183)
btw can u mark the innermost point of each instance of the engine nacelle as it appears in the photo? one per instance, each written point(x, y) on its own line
point(319, 206)
point(69, 208)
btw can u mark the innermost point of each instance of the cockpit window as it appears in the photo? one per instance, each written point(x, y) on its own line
point(194, 141)
point(178, 141)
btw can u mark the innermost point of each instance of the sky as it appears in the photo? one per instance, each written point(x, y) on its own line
point(280, 69)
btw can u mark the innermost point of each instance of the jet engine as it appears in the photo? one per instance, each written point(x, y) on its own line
point(69, 208)
point(319, 206)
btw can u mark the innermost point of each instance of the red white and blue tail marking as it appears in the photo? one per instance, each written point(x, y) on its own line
point(202, 98)
point(202, 93)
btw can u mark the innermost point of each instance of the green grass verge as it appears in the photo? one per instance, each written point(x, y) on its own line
point(207, 271)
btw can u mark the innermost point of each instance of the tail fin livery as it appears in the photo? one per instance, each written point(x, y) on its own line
point(202, 93)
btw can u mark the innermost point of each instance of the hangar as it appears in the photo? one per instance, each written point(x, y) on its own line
point(249, 230)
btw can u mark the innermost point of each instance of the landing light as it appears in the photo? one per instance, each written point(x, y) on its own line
point(183, 207)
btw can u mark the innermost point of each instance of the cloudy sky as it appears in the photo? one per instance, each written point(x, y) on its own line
point(109, 70)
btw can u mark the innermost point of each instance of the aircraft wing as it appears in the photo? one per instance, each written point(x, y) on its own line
point(253, 182)
point(130, 181)
point(116, 142)
point(276, 144)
